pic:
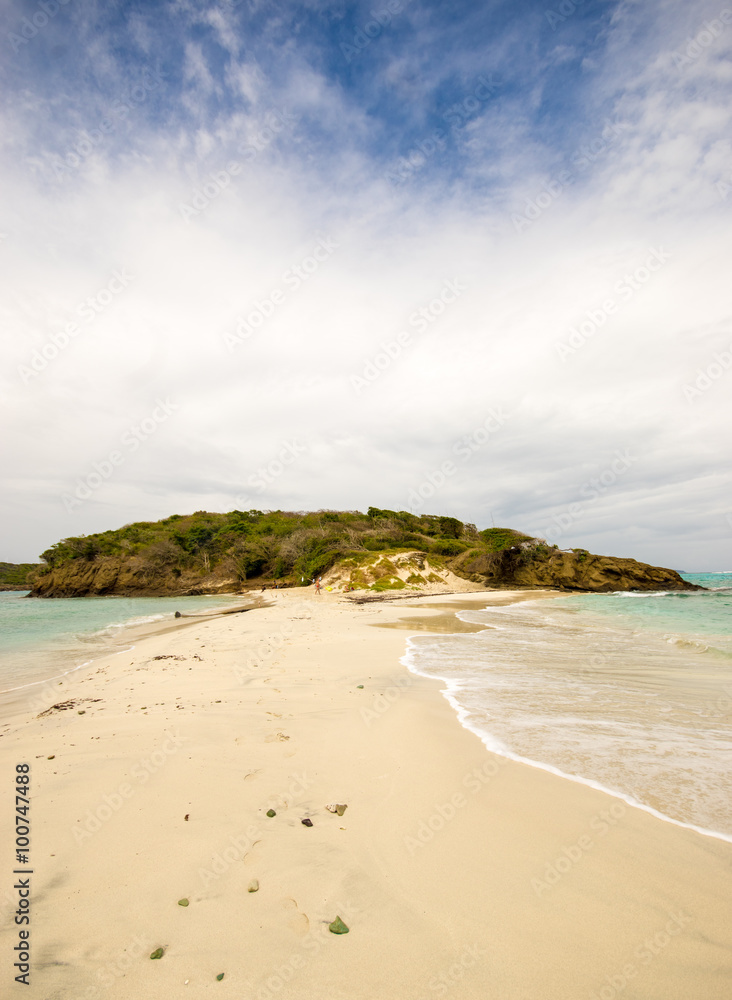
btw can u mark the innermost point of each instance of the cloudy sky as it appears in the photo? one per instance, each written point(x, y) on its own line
point(453, 257)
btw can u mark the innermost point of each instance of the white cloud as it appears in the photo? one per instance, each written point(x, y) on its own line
point(494, 346)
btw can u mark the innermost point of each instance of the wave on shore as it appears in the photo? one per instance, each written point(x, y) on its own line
point(44, 640)
point(588, 693)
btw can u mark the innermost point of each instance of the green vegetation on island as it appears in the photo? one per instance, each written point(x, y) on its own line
point(380, 550)
point(15, 576)
point(279, 545)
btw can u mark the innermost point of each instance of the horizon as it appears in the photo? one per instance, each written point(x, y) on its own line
point(273, 255)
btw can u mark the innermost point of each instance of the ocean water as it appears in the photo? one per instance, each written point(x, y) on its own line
point(624, 691)
point(45, 638)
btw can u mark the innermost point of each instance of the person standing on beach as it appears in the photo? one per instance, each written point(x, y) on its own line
point(317, 585)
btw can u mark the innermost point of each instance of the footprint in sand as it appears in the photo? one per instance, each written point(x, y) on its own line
point(297, 921)
point(276, 737)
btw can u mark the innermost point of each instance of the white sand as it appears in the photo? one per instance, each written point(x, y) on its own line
point(440, 866)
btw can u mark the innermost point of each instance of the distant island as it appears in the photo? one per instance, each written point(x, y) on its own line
point(16, 576)
point(209, 553)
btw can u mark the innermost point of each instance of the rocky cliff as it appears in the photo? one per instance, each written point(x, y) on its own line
point(539, 566)
point(526, 566)
point(127, 577)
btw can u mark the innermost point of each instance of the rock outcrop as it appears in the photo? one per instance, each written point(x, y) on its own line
point(539, 566)
point(531, 565)
point(131, 577)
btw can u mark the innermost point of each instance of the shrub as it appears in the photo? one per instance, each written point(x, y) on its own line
point(449, 547)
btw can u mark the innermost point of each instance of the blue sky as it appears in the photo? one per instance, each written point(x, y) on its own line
point(476, 255)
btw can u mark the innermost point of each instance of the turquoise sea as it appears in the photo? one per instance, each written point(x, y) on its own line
point(629, 692)
point(625, 691)
point(44, 638)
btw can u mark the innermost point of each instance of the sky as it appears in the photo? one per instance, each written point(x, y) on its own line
point(450, 257)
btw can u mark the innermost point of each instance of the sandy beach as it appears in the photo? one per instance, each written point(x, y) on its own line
point(458, 873)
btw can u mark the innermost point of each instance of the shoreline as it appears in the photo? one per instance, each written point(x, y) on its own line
point(451, 691)
point(443, 865)
point(128, 631)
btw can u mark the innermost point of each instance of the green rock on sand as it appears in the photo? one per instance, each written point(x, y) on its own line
point(360, 687)
point(253, 885)
point(271, 813)
point(158, 953)
point(182, 902)
point(220, 977)
point(338, 927)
